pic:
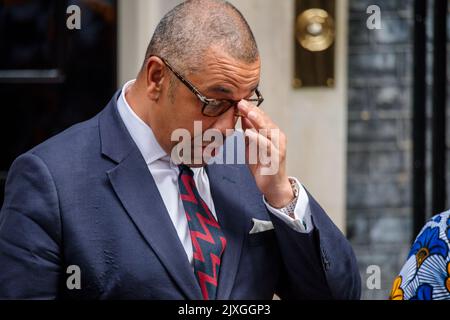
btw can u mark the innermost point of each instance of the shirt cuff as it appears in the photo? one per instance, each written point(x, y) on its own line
point(302, 213)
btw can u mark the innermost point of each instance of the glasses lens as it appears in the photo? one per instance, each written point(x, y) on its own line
point(217, 108)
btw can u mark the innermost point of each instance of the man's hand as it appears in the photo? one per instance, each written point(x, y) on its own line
point(262, 131)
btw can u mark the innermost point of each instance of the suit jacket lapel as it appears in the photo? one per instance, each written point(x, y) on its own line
point(229, 208)
point(136, 189)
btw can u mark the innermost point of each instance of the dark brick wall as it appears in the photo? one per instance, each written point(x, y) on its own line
point(379, 183)
point(379, 214)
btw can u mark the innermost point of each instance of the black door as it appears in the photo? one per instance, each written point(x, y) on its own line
point(52, 77)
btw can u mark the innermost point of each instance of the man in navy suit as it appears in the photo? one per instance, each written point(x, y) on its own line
point(106, 199)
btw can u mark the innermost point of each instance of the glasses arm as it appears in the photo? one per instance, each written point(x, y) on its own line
point(194, 90)
point(260, 97)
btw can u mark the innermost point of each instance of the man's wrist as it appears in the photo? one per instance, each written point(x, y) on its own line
point(283, 197)
point(290, 208)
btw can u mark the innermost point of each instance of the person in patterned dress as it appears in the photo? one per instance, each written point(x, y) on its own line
point(426, 273)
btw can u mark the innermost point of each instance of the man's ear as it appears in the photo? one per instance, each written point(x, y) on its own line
point(155, 74)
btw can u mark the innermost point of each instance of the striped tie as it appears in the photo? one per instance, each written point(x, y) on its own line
point(208, 240)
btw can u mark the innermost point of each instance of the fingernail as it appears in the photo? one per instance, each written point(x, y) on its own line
point(242, 105)
point(252, 115)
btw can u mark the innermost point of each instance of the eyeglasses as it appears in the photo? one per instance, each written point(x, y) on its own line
point(212, 107)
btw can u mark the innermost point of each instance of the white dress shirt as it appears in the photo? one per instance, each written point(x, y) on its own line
point(165, 174)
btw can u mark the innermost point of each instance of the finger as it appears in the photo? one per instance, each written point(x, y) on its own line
point(252, 147)
point(247, 124)
point(269, 133)
point(246, 107)
point(258, 118)
point(263, 145)
point(261, 153)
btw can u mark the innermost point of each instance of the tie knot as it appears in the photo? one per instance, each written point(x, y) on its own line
point(185, 170)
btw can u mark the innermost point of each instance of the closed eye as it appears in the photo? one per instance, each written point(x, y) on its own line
point(220, 91)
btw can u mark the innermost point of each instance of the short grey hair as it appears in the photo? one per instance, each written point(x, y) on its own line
point(184, 35)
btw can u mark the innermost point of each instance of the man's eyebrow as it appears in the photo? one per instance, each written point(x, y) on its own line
point(224, 90)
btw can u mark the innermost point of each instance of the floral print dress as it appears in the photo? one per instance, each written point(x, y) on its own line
point(426, 273)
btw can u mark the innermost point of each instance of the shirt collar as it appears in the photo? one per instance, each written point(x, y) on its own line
point(141, 133)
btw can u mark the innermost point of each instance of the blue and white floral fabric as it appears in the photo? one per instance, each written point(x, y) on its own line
point(426, 273)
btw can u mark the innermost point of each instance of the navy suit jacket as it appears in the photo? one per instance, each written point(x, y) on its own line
point(86, 198)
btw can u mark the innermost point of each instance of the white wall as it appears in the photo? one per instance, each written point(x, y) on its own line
point(315, 120)
point(137, 21)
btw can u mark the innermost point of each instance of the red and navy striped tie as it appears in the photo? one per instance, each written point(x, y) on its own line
point(208, 240)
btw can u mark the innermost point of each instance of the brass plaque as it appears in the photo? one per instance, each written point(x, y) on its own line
point(315, 36)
